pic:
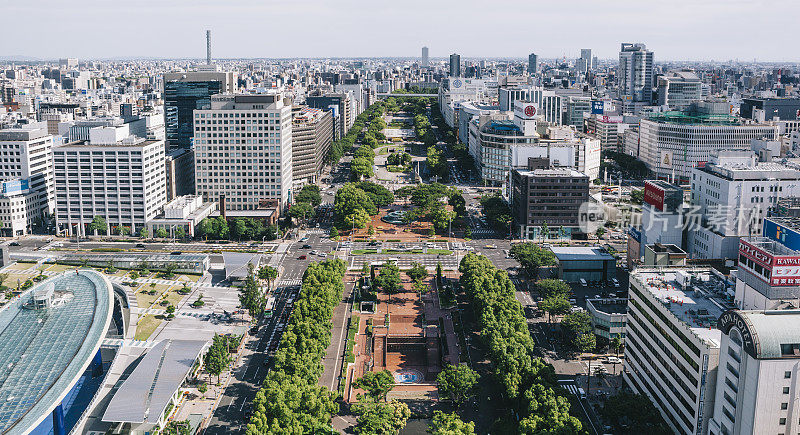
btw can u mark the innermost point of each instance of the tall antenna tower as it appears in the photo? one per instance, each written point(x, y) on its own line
point(208, 47)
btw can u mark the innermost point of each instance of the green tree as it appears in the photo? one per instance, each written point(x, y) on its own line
point(309, 194)
point(206, 228)
point(554, 306)
point(250, 295)
point(629, 413)
point(600, 231)
point(442, 218)
point(98, 224)
point(268, 273)
point(220, 227)
point(417, 272)
point(301, 210)
point(361, 167)
point(531, 257)
point(217, 358)
point(379, 418)
point(457, 383)
point(180, 232)
point(449, 424)
point(182, 427)
point(578, 333)
point(376, 384)
point(123, 230)
point(161, 233)
point(389, 278)
point(552, 287)
point(637, 196)
point(143, 233)
point(334, 233)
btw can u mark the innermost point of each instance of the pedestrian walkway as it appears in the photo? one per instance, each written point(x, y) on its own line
point(118, 342)
point(289, 282)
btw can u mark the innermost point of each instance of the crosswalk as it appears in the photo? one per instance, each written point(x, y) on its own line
point(315, 231)
point(572, 388)
point(483, 232)
point(289, 282)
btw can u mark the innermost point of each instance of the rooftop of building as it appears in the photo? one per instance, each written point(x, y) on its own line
point(502, 126)
point(772, 333)
point(744, 165)
point(145, 394)
point(609, 305)
point(790, 222)
point(666, 248)
point(134, 257)
point(575, 253)
point(121, 144)
point(695, 296)
point(771, 246)
point(694, 118)
point(551, 172)
point(44, 350)
point(682, 74)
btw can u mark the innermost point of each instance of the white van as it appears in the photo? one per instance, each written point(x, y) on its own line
point(583, 283)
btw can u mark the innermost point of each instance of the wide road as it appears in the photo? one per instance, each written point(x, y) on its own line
point(233, 410)
point(234, 406)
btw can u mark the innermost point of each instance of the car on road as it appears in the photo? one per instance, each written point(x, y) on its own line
point(254, 330)
point(176, 253)
point(13, 244)
point(306, 246)
point(583, 283)
point(322, 254)
point(314, 252)
point(140, 245)
point(615, 282)
point(490, 246)
point(302, 257)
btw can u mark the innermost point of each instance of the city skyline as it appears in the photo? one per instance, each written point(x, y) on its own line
point(665, 28)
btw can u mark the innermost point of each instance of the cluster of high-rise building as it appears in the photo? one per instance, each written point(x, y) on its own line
point(162, 144)
point(123, 139)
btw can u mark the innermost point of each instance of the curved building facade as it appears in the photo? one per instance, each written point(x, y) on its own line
point(49, 337)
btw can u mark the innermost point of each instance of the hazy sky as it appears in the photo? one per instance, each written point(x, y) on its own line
point(674, 29)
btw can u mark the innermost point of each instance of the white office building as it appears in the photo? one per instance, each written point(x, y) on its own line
point(671, 144)
point(112, 175)
point(672, 344)
point(757, 381)
point(679, 89)
point(243, 154)
point(26, 176)
point(453, 90)
point(731, 195)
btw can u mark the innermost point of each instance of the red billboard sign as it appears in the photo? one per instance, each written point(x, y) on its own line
point(654, 196)
point(781, 270)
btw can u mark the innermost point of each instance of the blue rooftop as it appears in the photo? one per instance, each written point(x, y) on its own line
point(48, 337)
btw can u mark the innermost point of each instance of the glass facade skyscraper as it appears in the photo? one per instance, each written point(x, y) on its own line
point(181, 99)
